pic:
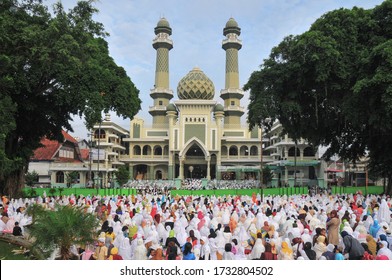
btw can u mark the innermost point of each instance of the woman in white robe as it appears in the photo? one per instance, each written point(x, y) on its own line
point(257, 250)
point(140, 252)
point(125, 250)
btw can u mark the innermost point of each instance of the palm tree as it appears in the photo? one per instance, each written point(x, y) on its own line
point(61, 228)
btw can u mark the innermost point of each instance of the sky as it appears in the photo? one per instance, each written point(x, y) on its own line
point(197, 34)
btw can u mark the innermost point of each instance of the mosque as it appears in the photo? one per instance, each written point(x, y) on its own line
point(194, 136)
point(191, 136)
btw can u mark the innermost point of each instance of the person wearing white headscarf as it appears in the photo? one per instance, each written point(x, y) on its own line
point(205, 249)
point(125, 250)
point(384, 250)
point(347, 228)
point(181, 235)
point(140, 252)
point(320, 247)
point(257, 250)
point(384, 214)
point(306, 236)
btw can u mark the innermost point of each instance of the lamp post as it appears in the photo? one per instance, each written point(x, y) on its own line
point(99, 146)
point(295, 163)
point(190, 170)
point(90, 156)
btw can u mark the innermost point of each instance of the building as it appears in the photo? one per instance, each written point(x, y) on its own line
point(55, 160)
point(292, 163)
point(194, 136)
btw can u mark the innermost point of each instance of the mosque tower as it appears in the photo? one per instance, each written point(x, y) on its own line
point(232, 93)
point(161, 93)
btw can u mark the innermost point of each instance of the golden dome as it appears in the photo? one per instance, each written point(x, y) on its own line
point(196, 85)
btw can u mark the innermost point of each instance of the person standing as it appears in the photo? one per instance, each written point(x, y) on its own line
point(333, 228)
point(101, 252)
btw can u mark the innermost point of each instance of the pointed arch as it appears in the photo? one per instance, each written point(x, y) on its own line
point(190, 143)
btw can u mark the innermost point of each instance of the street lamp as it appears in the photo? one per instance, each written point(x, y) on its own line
point(90, 156)
point(190, 170)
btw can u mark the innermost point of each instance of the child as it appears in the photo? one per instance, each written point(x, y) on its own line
point(17, 231)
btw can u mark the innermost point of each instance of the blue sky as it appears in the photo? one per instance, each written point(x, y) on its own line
point(197, 37)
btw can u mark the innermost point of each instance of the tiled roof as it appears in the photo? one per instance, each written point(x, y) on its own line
point(50, 147)
point(85, 154)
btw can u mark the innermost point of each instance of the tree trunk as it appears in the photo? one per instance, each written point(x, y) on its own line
point(12, 184)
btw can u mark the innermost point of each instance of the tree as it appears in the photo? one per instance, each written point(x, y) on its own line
point(61, 228)
point(31, 178)
point(53, 66)
point(332, 86)
point(122, 175)
point(72, 178)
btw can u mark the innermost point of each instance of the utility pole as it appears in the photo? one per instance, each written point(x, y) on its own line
point(295, 162)
point(90, 157)
point(261, 163)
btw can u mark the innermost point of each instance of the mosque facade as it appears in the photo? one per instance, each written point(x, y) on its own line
point(194, 136)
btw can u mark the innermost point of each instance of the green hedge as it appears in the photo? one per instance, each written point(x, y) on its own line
point(28, 192)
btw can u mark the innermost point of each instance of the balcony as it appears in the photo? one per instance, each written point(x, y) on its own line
point(235, 108)
point(161, 108)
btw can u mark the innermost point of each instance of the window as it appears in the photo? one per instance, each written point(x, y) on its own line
point(233, 151)
point(232, 103)
point(160, 102)
point(59, 177)
point(66, 152)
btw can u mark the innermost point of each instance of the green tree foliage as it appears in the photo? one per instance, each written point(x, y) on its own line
point(72, 178)
point(31, 178)
point(53, 66)
point(60, 229)
point(122, 175)
point(332, 86)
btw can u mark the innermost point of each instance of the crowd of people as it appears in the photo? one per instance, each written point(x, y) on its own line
point(164, 227)
point(159, 186)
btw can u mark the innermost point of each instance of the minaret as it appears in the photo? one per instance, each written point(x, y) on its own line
point(161, 93)
point(232, 93)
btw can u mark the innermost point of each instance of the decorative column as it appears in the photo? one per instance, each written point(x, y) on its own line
point(208, 168)
point(181, 175)
point(130, 169)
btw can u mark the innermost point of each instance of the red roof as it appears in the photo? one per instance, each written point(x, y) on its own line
point(85, 153)
point(69, 137)
point(50, 147)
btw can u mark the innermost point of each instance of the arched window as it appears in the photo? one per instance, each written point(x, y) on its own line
point(157, 151)
point(99, 133)
point(137, 151)
point(292, 152)
point(254, 151)
point(166, 150)
point(233, 151)
point(146, 150)
point(59, 177)
point(309, 152)
point(244, 151)
point(224, 151)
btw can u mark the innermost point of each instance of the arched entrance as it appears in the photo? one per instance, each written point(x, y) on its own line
point(158, 175)
point(195, 161)
point(195, 166)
